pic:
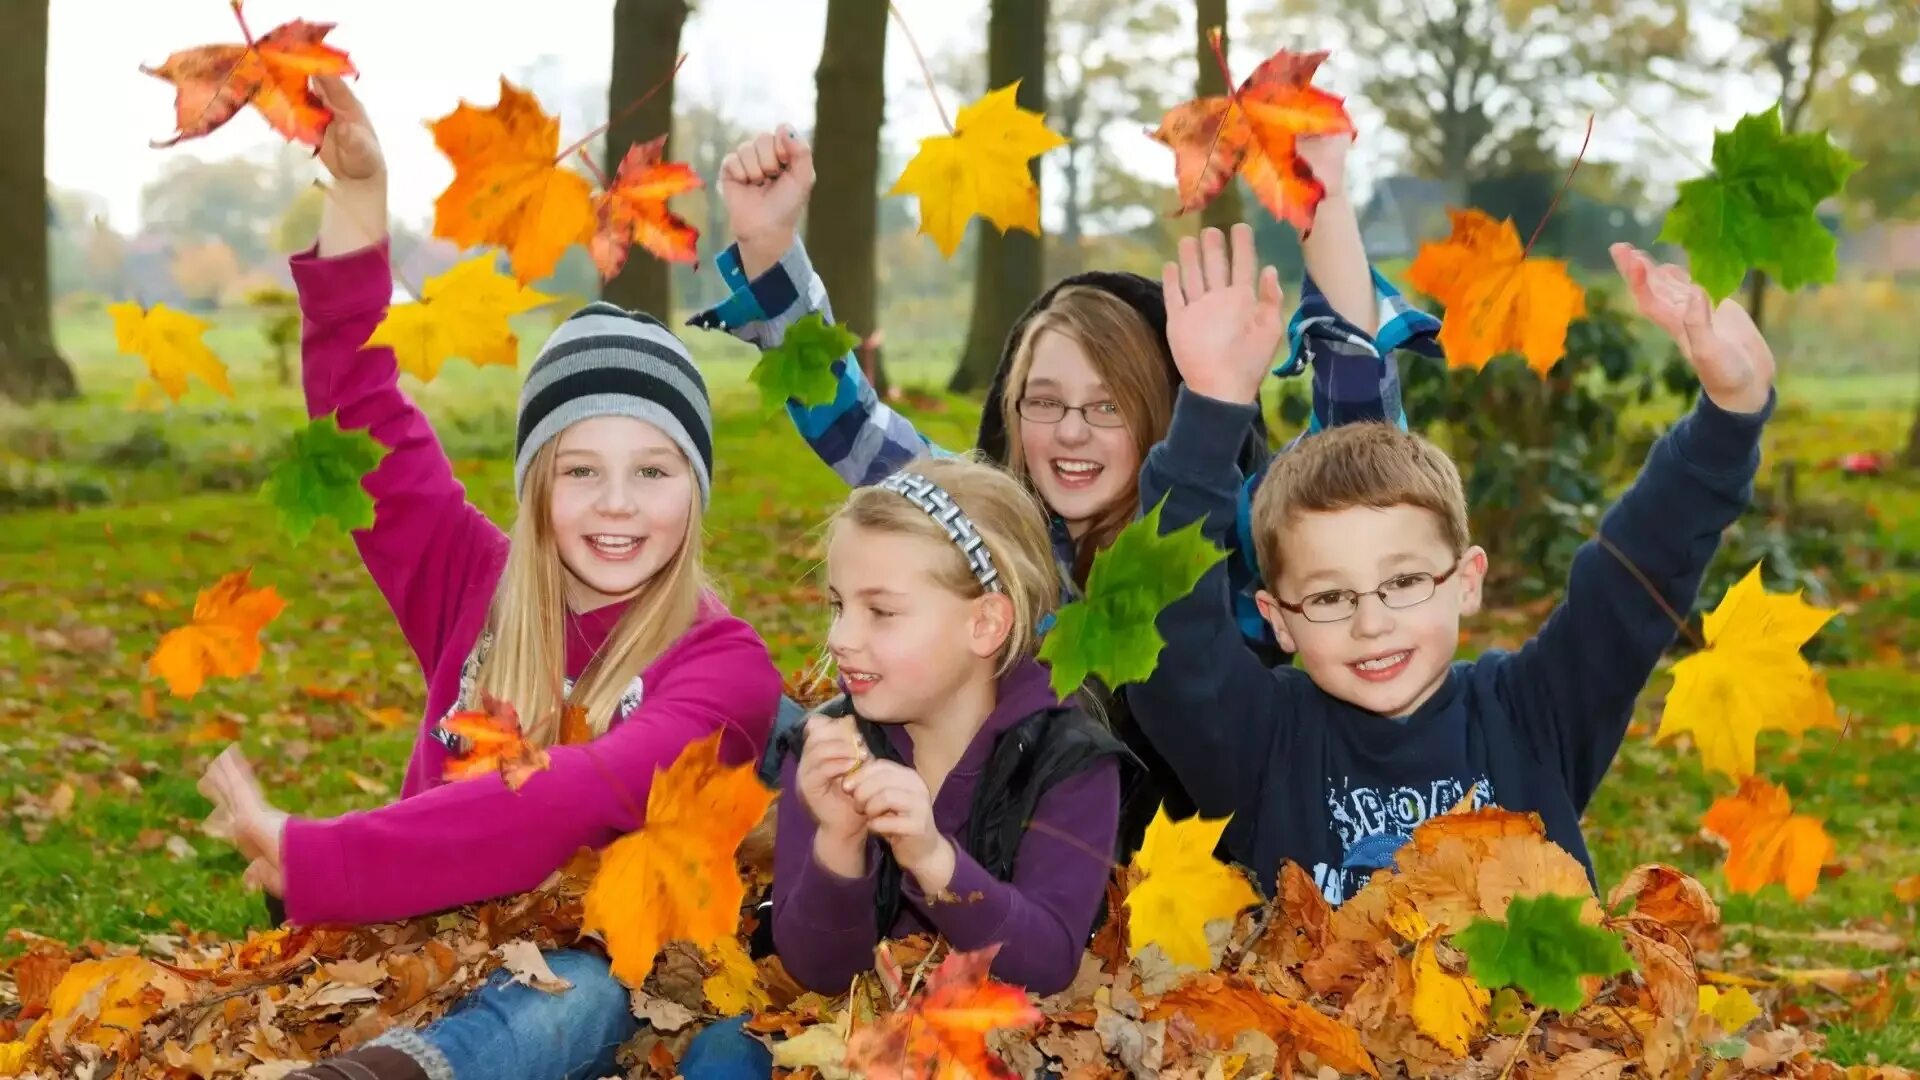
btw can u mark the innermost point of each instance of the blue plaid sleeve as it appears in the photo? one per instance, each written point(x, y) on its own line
point(1354, 373)
point(856, 434)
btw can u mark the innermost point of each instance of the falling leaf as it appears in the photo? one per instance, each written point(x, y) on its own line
point(223, 637)
point(491, 741)
point(1732, 1009)
point(1907, 889)
point(675, 879)
point(271, 73)
point(1182, 888)
point(980, 169)
point(1756, 210)
point(508, 189)
point(463, 313)
point(318, 476)
point(1254, 133)
point(1223, 1006)
point(1749, 678)
point(1110, 633)
point(943, 1032)
point(1542, 949)
point(1450, 1009)
point(169, 341)
point(1498, 300)
point(1766, 841)
point(801, 366)
point(634, 210)
point(734, 986)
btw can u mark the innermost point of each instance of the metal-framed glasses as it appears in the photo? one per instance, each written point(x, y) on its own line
point(1398, 592)
point(1040, 410)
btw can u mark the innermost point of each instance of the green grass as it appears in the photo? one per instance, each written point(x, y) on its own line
point(167, 506)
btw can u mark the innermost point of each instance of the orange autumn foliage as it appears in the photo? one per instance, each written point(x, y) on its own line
point(1766, 841)
point(634, 210)
point(943, 1032)
point(223, 638)
point(1498, 300)
point(494, 743)
point(271, 73)
point(1223, 1006)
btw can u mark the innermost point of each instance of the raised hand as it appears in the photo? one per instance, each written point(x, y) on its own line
point(1222, 329)
point(1326, 155)
point(765, 184)
point(355, 215)
point(1727, 352)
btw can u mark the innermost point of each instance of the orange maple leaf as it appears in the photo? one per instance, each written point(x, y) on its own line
point(1252, 132)
point(634, 210)
point(213, 82)
point(494, 743)
point(1223, 1006)
point(675, 878)
point(222, 639)
point(1498, 300)
point(943, 1032)
point(508, 189)
point(1766, 841)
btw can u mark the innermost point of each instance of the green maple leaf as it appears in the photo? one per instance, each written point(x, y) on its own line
point(801, 366)
point(318, 475)
point(1542, 950)
point(1756, 209)
point(1110, 633)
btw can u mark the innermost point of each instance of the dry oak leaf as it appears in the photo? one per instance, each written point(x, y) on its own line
point(1253, 132)
point(981, 168)
point(1749, 678)
point(492, 741)
point(675, 878)
point(634, 210)
point(1668, 896)
point(942, 1033)
point(508, 189)
point(1223, 1006)
point(1766, 841)
point(462, 312)
point(171, 344)
point(1498, 300)
point(222, 639)
point(271, 73)
point(1183, 888)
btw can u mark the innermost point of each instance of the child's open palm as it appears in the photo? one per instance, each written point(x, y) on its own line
point(1223, 329)
point(1727, 352)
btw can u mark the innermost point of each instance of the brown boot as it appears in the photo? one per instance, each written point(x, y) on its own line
point(365, 1063)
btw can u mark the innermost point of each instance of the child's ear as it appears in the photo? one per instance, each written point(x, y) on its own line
point(991, 623)
point(1473, 577)
point(1270, 611)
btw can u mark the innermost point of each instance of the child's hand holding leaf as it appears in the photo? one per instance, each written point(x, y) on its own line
point(1720, 342)
point(833, 750)
point(899, 809)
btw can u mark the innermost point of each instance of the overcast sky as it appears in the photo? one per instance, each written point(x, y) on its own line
point(754, 58)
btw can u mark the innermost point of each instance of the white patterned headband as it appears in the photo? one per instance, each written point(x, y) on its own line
point(939, 506)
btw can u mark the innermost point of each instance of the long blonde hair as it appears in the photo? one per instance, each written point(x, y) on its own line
point(1008, 517)
point(1129, 358)
point(526, 662)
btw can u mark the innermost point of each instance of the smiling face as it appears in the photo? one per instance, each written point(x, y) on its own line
point(1080, 470)
point(621, 498)
point(1385, 660)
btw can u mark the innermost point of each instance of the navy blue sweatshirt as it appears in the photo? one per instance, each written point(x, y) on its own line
point(1338, 789)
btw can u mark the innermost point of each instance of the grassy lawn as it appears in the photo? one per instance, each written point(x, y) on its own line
point(112, 518)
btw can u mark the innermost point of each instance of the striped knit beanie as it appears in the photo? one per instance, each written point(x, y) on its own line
point(606, 361)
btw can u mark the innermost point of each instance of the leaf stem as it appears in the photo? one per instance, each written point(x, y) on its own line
point(245, 34)
point(1686, 629)
point(1520, 1047)
point(1564, 185)
point(1214, 38)
point(925, 71)
point(1686, 153)
point(623, 113)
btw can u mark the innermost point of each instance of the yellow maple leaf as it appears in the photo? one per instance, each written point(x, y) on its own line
point(105, 1002)
point(734, 987)
point(980, 169)
point(1182, 889)
point(170, 342)
point(1750, 677)
point(1498, 300)
point(462, 312)
point(1450, 1009)
point(675, 879)
point(1732, 1010)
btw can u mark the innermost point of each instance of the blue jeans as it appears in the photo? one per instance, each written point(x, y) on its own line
point(516, 1032)
point(725, 1051)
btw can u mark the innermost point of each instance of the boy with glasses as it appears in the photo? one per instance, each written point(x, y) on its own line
point(1361, 534)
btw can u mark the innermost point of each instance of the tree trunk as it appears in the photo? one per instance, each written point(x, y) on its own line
point(843, 221)
point(1073, 113)
point(646, 42)
point(1224, 211)
point(1007, 275)
point(30, 368)
point(1911, 456)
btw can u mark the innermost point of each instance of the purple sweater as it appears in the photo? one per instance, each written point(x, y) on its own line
point(437, 559)
point(823, 924)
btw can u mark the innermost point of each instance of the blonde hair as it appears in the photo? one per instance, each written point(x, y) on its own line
point(1006, 515)
point(1130, 359)
point(526, 662)
point(1369, 464)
